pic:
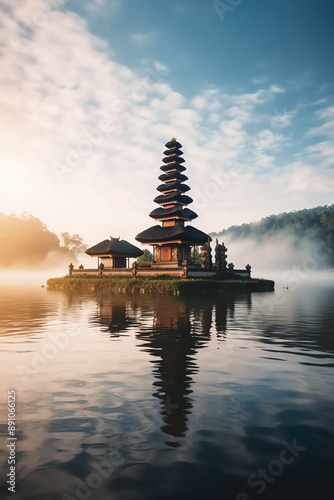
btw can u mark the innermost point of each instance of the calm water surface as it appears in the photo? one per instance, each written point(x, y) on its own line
point(146, 397)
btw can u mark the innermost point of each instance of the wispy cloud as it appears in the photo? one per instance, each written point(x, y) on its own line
point(143, 39)
point(326, 115)
point(282, 119)
point(160, 67)
point(103, 6)
point(304, 178)
point(260, 80)
point(276, 89)
point(66, 104)
point(322, 152)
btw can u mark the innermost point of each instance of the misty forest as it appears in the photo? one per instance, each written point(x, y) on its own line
point(26, 242)
point(314, 225)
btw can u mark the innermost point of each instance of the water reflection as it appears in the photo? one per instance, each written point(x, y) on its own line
point(172, 343)
point(182, 397)
point(117, 316)
point(25, 311)
point(173, 335)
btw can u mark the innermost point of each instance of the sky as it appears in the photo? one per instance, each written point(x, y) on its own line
point(90, 91)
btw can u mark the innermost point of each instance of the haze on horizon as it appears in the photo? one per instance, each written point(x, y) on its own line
point(92, 90)
point(280, 254)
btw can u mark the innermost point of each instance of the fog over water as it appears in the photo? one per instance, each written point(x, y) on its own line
point(26, 277)
point(282, 255)
point(188, 396)
point(287, 260)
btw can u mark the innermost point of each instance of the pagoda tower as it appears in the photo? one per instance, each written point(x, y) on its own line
point(172, 241)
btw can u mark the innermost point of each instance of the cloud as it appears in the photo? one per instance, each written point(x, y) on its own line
point(100, 7)
point(260, 79)
point(282, 119)
point(81, 136)
point(322, 152)
point(304, 178)
point(277, 89)
point(267, 140)
point(326, 115)
point(160, 67)
point(143, 39)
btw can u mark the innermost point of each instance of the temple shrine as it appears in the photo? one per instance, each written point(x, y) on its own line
point(114, 253)
point(179, 249)
point(173, 240)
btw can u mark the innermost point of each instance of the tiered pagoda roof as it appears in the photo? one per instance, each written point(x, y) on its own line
point(173, 211)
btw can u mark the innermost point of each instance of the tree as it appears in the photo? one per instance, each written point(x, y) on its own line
point(73, 242)
point(25, 242)
point(146, 257)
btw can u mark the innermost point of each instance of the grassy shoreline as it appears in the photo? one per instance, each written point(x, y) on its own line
point(158, 285)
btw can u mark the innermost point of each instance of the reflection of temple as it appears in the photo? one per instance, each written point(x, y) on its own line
point(172, 341)
point(177, 329)
point(116, 315)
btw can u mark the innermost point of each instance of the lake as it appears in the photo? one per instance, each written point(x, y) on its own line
point(140, 397)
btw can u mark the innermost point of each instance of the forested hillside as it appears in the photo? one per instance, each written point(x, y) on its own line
point(25, 242)
point(315, 225)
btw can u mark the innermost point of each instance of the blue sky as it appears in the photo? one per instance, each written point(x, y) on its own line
point(91, 91)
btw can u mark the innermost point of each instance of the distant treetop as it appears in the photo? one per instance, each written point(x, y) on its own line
point(316, 224)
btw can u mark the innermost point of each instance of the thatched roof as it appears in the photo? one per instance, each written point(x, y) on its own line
point(173, 175)
point(176, 197)
point(183, 188)
point(172, 166)
point(167, 213)
point(116, 248)
point(174, 158)
point(173, 143)
point(186, 234)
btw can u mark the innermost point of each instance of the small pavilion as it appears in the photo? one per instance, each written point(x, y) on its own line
point(173, 240)
point(114, 253)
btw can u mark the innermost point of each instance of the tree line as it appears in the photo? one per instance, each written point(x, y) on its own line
point(315, 224)
point(26, 242)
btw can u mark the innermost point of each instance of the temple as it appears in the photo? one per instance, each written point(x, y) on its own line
point(179, 249)
point(173, 240)
point(114, 253)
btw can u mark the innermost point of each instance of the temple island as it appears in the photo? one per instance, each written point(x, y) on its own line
point(179, 249)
